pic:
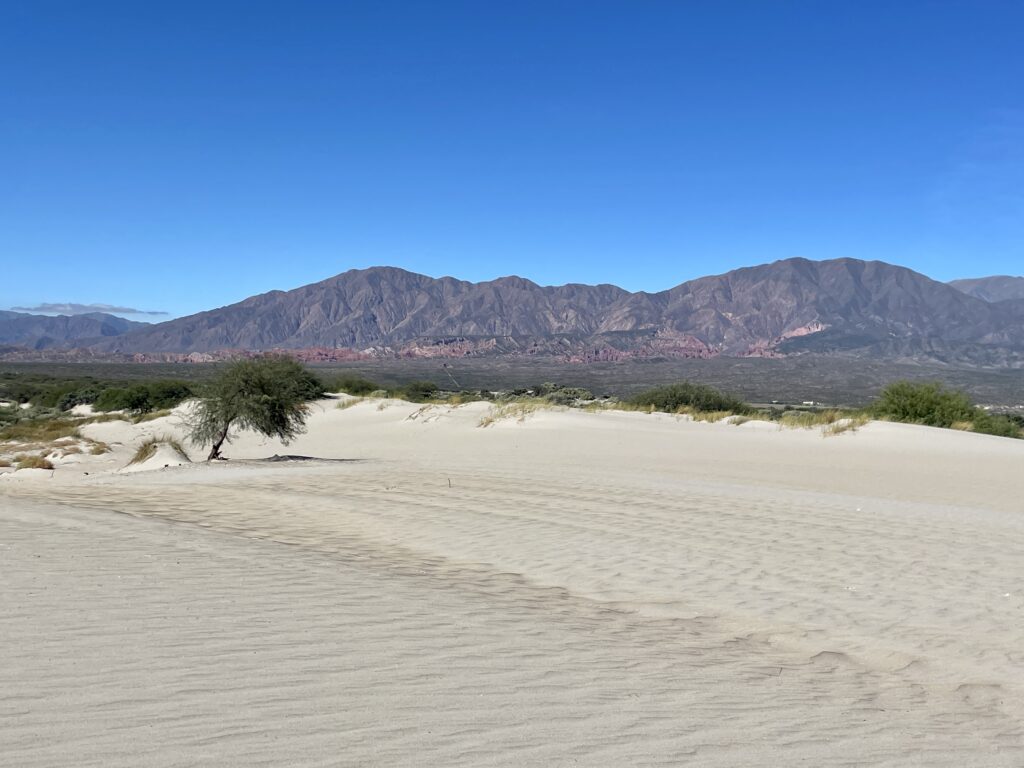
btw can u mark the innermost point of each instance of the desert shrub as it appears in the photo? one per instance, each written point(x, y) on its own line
point(143, 398)
point(672, 398)
point(352, 385)
point(5, 462)
point(933, 405)
point(995, 424)
point(923, 403)
point(164, 395)
point(78, 396)
point(560, 395)
point(418, 391)
point(9, 415)
point(116, 399)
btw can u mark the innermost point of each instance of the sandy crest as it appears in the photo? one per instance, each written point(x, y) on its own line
point(610, 589)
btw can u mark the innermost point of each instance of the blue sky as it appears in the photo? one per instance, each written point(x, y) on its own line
point(181, 156)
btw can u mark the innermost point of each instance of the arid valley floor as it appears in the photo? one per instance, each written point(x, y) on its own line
point(598, 589)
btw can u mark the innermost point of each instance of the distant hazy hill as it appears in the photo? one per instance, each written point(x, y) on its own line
point(45, 332)
point(996, 288)
point(844, 305)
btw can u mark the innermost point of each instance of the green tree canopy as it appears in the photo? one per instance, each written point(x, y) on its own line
point(268, 395)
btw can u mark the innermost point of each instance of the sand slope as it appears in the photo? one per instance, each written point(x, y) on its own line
point(609, 589)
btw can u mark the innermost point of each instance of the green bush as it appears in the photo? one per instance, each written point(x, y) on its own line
point(352, 385)
point(418, 391)
point(168, 394)
point(933, 405)
point(699, 397)
point(143, 398)
point(996, 424)
point(927, 403)
point(559, 395)
point(78, 396)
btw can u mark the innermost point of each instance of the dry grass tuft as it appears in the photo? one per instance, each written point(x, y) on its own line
point(832, 421)
point(42, 431)
point(102, 418)
point(710, 416)
point(151, 416)
point(849, 424)
point(148, 448)
point(519, 410)
point(32, 462)
point(346, 404)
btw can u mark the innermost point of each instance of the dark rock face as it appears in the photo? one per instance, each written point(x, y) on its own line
point(45, 332)
point(996, 288)
point(839, 306)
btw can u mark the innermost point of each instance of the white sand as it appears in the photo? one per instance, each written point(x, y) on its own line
point(594, 589)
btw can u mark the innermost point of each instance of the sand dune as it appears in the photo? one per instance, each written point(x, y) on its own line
point(576, 588)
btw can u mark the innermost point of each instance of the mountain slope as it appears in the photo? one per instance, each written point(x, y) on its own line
point(843, 305)
point(46, 332)
point(995, 288)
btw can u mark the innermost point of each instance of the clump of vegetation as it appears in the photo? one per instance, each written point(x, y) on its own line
point(148, 449)
point(143, 398)
point(46, 430)
point(417, 391)
point(267, 394)
point(927, 403)
point(850, 423)
point(25, 461)
point(708, 416)
point(352, 385)
point(558, 394)
point(809, 419)
point(102, 418)
point(62, 394)
point(151, 416)
point(346, 404)
point(5, 462)
point(515, 409)
point(688, 397)
point(933, 405)
point(1001, 425)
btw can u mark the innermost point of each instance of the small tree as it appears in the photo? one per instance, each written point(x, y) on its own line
point(267, 395)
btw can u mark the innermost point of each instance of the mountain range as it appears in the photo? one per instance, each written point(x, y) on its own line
point(841, 306)
point(42, 332)
point(995, 288)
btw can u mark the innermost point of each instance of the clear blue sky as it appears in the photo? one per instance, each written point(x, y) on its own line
point(179, 156)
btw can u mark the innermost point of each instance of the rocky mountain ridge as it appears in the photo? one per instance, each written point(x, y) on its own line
point(841, 306)
point(994, 288)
